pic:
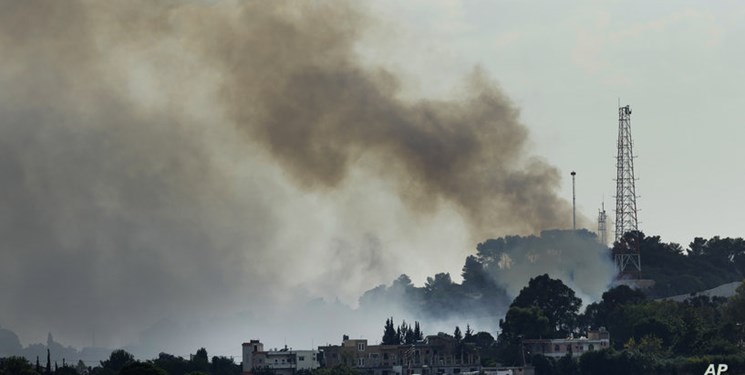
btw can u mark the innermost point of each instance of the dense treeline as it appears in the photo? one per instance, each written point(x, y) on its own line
point(705, 264)
point(404, 334)
point(482, 291)
point(647, 336)
point(481, 342)
point(121, 362)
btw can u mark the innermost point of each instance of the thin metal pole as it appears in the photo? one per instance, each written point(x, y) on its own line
point(574, 203)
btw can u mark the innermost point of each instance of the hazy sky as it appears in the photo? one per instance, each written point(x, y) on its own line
point(678, 64)
point(172, 171)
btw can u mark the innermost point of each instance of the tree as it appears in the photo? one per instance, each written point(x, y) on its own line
point(66, 370)
point(468, 336)
point(418, 335)
point(200, 361)
point(440, 284)
point(117, 360)
point(520, 323)
point(16, 366)
point(390, 337)
point(80, 367)
point(457, 334)
point(407, 334)
point(529, 323)
point(483, 339)
point(474, 275)
point(224, 366)
point(49, 362)
point(648, 344)
point(544, 365)
point(600, 313)
point(735, 311)
point(555, 300)
point(141, 368)
point(172, 364)
point(567, 366)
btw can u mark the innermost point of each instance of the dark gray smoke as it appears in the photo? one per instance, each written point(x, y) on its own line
point(186, 159)
point(305, 98)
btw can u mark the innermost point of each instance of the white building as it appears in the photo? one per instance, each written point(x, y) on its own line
point(557, 348)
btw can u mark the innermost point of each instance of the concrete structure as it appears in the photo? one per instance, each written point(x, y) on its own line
point(557, 348)
point(283, 362)
point(435, 355)
point(516, 370)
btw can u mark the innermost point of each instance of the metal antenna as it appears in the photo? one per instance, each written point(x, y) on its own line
point(627, 252)
point(602, 228)
point(574, 204)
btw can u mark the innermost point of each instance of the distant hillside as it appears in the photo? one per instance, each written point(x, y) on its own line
point(724, 290)
point(704, 265)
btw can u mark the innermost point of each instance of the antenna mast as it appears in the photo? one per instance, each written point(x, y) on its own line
point(602, 228)
point(574, 204)
point(626, 252)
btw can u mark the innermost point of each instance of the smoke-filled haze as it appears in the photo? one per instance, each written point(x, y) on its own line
point(174, 162)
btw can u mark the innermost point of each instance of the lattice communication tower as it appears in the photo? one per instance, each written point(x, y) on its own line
point(626, 252)
point(602, 228)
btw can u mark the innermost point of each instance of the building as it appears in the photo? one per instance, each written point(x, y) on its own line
point(556, 348)
point(514, 370)
point(437, 354)
point(283, 362)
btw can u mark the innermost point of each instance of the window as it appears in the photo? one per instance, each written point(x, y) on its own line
point(360, 362)
point(301, 358)
point(556, 348)
point(361, 346)
point(591, 347)
point(385, 355)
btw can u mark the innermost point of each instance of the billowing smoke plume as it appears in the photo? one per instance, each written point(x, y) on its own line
point(290, 81)
point(179, 159)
